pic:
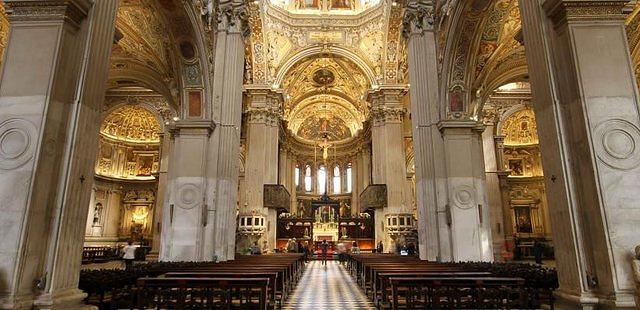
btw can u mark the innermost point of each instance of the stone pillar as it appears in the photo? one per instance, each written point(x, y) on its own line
point(165, 155)
point(262, 154)
point(387, 144)
point(187, 218)
point(227, 113)
point(468, 209)
point(111, 227)
point(494, 195)
point(51, 95)
point(586, 104)
point(433, 233)
point(505, 199)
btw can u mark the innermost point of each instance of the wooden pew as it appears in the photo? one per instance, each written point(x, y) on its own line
point(457, 293)
point(275, 295)
point(202, 293)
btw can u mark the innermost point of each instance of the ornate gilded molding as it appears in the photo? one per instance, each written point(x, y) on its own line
point(73, 11)
point(418, 17)
point(232, 17)
point(563, 11)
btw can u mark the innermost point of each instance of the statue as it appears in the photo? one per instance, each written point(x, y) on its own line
point(635, 263)
point(97, 214)
point(345, 209)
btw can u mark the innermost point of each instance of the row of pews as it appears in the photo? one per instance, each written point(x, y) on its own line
point(406, 282)
point(248, 282)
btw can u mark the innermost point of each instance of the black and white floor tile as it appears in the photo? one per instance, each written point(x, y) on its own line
point(327, 287)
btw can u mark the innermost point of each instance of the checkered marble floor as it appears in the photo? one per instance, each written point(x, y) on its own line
point(327, 287)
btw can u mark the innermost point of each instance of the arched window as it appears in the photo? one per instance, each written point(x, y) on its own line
point(307, 179)
point(296, 175)
point(336, 180)
point(349, 178)
point(322, 180)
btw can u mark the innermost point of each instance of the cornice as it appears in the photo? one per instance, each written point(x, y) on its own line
point(72, 11)
point(563, 11)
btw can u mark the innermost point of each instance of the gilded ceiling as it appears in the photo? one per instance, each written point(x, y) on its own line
point(131, 123)
point(324, 99)
point(282, 29)
point(4, 31)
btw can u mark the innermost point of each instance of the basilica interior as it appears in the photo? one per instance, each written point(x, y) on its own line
point(495, 131)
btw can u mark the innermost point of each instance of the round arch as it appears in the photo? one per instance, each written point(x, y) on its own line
point(318, 50)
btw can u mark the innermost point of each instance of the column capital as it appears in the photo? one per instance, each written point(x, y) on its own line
point(563, 11)
point(232, 17)
point(387, 114)
point(266, 115)
point(73, 11)
point(418, 17)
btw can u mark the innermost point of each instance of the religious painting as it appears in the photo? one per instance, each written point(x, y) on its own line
point(308, 4)
point(516, 167)
point(456, 102)
point(342, 4)
point(145, 165)
point(523, 219)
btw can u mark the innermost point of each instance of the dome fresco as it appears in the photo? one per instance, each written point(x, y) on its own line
point(131, 124)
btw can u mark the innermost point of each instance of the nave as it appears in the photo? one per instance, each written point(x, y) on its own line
point(327, 287)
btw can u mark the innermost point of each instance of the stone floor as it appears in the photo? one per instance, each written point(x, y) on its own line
point(327, 287)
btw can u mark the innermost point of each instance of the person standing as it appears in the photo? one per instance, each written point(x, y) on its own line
point(379, 248)
point(324, 247)
point(538, 249)
point(129, 254)
point(255, 249)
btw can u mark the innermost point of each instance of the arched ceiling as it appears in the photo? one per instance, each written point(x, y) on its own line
point(483, 46)
point(325, 99)
point(279, 32)
point(329, 7)
point(131, 123)
point(155, 41)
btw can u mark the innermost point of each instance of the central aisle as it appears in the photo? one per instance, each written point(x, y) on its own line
point(327, 287)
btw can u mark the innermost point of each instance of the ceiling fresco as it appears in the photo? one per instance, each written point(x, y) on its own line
point(324, 99)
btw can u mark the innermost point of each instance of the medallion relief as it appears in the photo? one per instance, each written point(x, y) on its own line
point(616, 143)
point(17, 142)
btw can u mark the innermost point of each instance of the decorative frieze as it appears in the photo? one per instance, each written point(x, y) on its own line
point(73, 11)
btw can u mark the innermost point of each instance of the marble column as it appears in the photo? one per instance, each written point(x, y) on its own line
point(232, 27)
point(468, 208)
point(51, 95)
point(187, 216)
point(431, 186)
point(586, 103)
point(262, 153)
point(387, 143)
point(165, 155)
